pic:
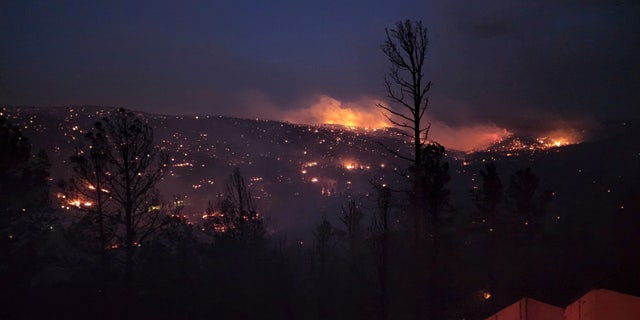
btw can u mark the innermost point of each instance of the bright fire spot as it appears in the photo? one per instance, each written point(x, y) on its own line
point(217, 217)
point(310, 164)
point(555, 142)
point(350, 164)
point(559, 138)
point(91, 187)
point(326, 110)
point(79, 203)
point(314, 179)
point(353, 165)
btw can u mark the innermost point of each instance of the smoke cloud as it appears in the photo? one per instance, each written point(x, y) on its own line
point(467, 137)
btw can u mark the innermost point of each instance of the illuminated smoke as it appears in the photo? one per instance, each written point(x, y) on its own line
point(467, 138)
point(327, 110)
point(365, 114)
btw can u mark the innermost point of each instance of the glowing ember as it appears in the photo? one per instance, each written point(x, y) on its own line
point(217, 217)
point(310, 164)
point(79, 203)
point(91, 187)
point(350, 164)
point(354, 165)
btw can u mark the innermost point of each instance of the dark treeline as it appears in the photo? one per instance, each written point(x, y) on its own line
point(131, 254)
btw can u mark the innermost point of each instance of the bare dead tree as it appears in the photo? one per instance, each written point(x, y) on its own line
point(406, 48)
point(407, 90)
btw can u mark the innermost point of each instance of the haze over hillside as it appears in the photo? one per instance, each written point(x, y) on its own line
point(299, 173)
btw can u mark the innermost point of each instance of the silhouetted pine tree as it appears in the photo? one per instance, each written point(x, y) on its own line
point(94, 232)
point(324, 249)
point(26, 218)
point(436, 201)
point(487, 200)
point(121, 155)
point(380, 238)
point(357, 282)
point(528, 204)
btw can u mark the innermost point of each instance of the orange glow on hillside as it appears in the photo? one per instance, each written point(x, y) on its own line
point(560, 138)
point(549, 140)
point(327, 110)
point(464, 136)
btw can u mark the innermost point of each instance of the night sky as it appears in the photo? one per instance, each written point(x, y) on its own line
point(493, 63)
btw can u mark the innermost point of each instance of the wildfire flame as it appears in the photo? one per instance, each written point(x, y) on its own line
point(327, 110)
point(549, 140)
point(467, 137)
point(352, 164)
point(560, 138)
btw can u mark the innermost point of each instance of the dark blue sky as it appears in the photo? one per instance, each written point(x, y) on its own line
point(490, 61)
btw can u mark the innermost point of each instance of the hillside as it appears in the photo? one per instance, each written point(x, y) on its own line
point(301, 172)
